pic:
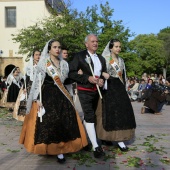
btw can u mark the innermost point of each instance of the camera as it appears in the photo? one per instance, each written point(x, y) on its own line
point(161, 88)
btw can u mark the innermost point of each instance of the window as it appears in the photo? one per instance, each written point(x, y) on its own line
point(57, 5)
point(10, 16)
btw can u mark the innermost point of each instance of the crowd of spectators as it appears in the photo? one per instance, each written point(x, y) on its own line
point(137, 87)
point(152, 90)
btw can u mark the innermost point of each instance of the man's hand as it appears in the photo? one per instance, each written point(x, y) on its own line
point(93, 80)
point(100, 82)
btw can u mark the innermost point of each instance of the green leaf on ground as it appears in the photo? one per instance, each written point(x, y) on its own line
point(83, 159)
point(134, 162)
point(165, 161)
point(13, 151)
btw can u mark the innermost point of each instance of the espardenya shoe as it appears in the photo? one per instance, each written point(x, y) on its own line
point(98, 153)
point(61, 161)
point(123, 149)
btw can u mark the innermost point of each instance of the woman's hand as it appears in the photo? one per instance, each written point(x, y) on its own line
point(80, 72)
point(105, 75)
point(100, 82)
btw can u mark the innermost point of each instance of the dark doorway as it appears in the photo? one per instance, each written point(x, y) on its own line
point(8, 69)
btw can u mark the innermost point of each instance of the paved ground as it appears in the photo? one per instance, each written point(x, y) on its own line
point(149, 151)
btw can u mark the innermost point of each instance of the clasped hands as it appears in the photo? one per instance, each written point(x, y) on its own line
point(97, 81)
point(93, 80)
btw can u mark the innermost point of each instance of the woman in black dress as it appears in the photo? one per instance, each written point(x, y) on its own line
point(61, 130)
point(116, 122)
point(13, 85)
point(20, 105)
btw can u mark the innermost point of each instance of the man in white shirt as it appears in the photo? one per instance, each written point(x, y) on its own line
point(86, 86)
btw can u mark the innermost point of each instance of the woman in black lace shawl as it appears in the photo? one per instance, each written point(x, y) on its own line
point(61, 130)
point(117, 121)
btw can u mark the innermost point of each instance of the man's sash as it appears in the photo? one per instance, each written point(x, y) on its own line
point(57, 81)
point(116, 68)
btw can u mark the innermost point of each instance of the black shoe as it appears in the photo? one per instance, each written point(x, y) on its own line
point(98, 153)
point(61, 161)
point(124, 149)
point(107, 143)
point(88, 147)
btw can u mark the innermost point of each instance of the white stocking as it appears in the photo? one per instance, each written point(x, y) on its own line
point(91, 133)
point(60, 156)
point(121, 144)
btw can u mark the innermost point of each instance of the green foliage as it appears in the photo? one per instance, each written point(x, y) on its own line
point(133, 66)
point(149, 53)
point(164, 35)
point(70, 29)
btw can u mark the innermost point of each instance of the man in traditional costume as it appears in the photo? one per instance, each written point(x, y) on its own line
point(88, 83)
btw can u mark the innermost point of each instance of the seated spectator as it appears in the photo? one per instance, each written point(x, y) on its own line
point(141, 89)
point(149, 84)
point(131, 84)
point(161, 79)
point(167, 83)
point(160, 82)
point(4, 84)
point(145, 77)
point(149, 77)
point(152, 77)
point(127, 83)
point(133, 90)
point(146, 92)
point(155, 101)
point(156, 79)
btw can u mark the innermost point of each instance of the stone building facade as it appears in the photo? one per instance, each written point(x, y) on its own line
point(15, 15)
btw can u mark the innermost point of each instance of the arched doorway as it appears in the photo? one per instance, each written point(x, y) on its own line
point(8, 69)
